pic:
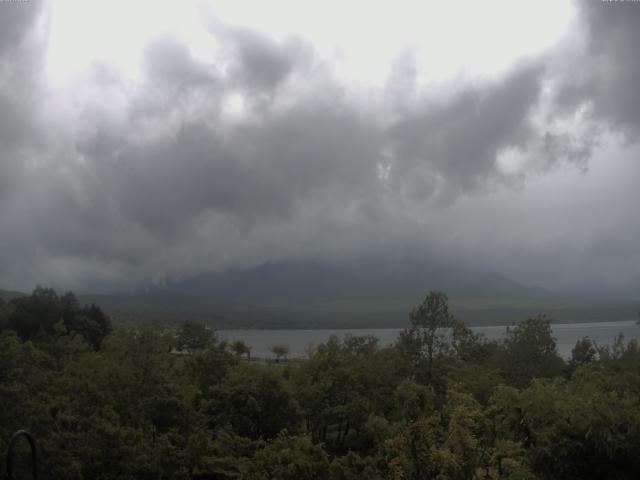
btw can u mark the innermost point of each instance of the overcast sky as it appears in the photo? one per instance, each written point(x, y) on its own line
point(147, 140)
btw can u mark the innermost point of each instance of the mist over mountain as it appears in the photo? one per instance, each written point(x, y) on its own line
point(361, 279)
point(363, 293)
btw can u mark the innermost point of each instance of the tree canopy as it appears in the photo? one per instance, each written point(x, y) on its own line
point(441, 403)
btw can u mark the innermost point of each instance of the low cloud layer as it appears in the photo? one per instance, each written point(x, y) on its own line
point(109, 182)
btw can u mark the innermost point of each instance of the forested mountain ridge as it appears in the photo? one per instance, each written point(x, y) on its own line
point(365, 293)
point(362, 293)
point(317, 281)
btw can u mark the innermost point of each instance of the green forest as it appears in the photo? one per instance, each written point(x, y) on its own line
point(158, 402)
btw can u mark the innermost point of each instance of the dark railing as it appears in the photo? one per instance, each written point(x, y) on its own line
point(34, 456)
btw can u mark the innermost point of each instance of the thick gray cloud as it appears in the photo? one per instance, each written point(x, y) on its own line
point(259, 63)
point(21, 138)
point(607, 74)
point(20, 60)
point(265, 154)
point(460, 140)
point(16, 23)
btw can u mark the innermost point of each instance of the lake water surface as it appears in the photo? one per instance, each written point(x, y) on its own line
point(298, 341)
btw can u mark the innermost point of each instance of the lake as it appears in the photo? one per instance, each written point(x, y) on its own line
point(298, 341)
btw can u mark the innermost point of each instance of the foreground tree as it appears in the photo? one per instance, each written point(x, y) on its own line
point(584, 352)
point(580, 429)
point(35, 314)
point(530, 351)
point(255, 400)
point(288, 458)
point(428, 337)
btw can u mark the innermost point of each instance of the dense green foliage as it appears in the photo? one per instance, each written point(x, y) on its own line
point(442, 403)
point(44, 314)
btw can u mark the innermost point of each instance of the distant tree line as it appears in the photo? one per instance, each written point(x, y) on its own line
point(441, 403)
point(44, 313)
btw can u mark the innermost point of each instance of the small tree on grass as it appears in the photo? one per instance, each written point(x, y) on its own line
point(280, 351)
point(240, 348)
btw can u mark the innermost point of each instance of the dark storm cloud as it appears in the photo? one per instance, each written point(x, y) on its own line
point(322, 146)
point(460, 140)
point(16, 21)
point(252, 172)
point(168, 60)
point(607, 74)
point(20, 62)
point(119, 189)
point(202, 162)
point(260, 63)
point(265, 153)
